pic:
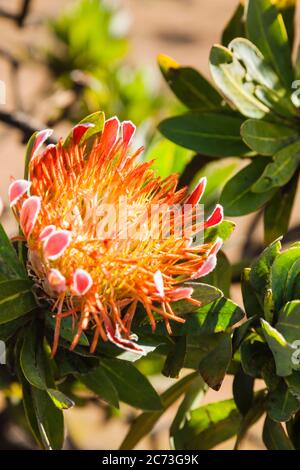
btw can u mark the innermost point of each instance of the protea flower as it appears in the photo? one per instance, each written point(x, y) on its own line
point(97, 280)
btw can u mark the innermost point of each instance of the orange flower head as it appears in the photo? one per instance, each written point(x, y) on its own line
point(83, 251)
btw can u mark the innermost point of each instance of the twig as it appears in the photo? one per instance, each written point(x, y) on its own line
point(24, 123)
point(20, 17)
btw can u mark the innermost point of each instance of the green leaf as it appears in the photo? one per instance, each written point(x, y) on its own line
point(241, 332)
point(251, 299)
point(10, 266)
point(214, 365)
point(254, 62)
point(282, 105)
point(254, 355)
point(16, 299)
point(99, 382)
point(293, 383)
point(274, 436)
point(214, 134)
point(251, 417)
point(7, 330)
point(243, 393)
point(31, 359)
point(278, 211)
point(60, 400)
point(29, 410)
point(144, 423)
point(283, 274)
point(266, 29)
point(267, 138)
point(50, 419)
point(288, 321)
point(235, 27)
point(190, 87)
point(280, 348)
point(223, 230)
point(205, 293)
point(293, 429)
point(216, 317)
point(238, 198)
point(132, 386)
point(280, 171)
point(260, 276)
point(175, 358)
point(208, 425)
point(281, 404)
point(230, 77)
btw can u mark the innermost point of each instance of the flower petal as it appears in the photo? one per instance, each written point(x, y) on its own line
point(208, 266)
point(56, 244)
point(128, 131)
point(46, 232)
point(181, 293)
point(82, 281)
point(110, 133)
point(79, 130)
point(115, 337)
point(196, 195)
point(159, 283)
point(56, 280)
point(17, 189)
point(216, 246)
point(41, 137)
point(29, 214)
point(215, 218)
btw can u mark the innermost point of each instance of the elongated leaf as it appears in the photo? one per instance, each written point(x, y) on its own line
point(279, 172)
point(281, 404)
point(254, 355)
point(7, 330)
point(99, 382)
point(251, 417)
point(265, 137)
point(146, 421)
point(293, 383)
point(214, 365)
point(205, 293)
point(278, 211)
point(190, 87)
point(243, 393)
point(132, 386)
point(223, 230)
point(238, 198)
point(235, 27)
point(60, 400)
point(260, 276)
point(50, 419)
point(288, 321)
point(175, 358)
point(280, 348)
point(29, 410)
point(16, 299)
point(274, 436)
point(214, 134)
point(208, 425)
point(31, 359)
point(283, 274)
point(266, 29)
point(230, 77)
point(254, 62)
point(10, 266)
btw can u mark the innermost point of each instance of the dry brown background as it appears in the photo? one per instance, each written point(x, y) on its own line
point(183, 29)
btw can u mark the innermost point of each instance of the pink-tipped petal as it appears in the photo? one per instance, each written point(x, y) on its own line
point(216, 246)
point(80, 130)
point(208, 266)
point(159, 283)
point(56, 244)
point(215, 218)
point(196, 195)
point(17, 189)
point(29, 214)
point(46, 232)
point(40, 139)
point(128, 130)
point(56, 280)
point(181, 293)
point(82, 281)
point(110, 133)
point(115, 337)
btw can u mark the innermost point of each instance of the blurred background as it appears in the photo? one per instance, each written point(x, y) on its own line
point(63, 59)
